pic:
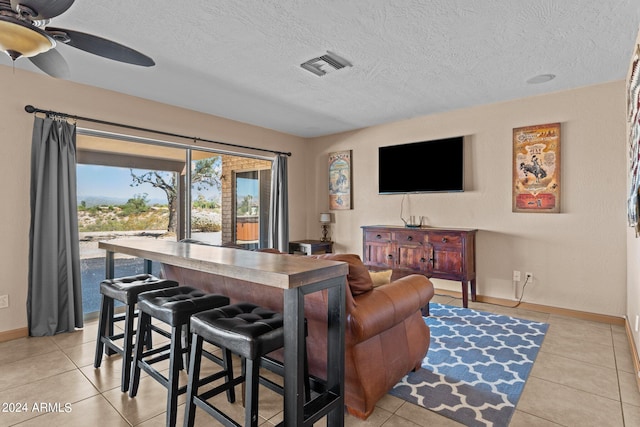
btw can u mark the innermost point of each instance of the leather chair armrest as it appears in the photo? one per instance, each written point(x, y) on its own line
point(387, 305)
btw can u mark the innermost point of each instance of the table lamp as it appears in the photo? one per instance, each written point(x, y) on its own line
point(325, 220)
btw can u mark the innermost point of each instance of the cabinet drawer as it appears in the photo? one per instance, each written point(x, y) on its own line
point(437, 238)
point(377, 236)
point(408, 237)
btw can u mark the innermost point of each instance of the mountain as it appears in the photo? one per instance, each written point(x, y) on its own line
point(115, 201)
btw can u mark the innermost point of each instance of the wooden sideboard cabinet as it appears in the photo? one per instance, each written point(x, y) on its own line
point(441, 253)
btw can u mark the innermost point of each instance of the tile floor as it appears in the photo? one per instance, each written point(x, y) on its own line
point(583, 376)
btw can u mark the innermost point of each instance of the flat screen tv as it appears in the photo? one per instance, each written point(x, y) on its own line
point(422, 167)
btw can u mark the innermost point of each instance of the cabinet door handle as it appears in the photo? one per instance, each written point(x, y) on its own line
point(423, 259)
point(444, 240)
point(409, 238)
point(378, 236)
point(390, 256)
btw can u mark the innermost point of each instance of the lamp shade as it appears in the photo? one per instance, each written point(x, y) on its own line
point(21, 39)
point(325, 217)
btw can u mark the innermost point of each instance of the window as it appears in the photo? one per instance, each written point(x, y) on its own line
point(108, 207)
point(251, 213)
point(206, 197)
point(255, 182)
point(128, 188)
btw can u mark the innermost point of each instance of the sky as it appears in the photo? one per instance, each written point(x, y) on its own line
point(109, 181)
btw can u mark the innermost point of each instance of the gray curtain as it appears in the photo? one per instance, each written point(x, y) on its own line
point(279, 212)
point(54, 300)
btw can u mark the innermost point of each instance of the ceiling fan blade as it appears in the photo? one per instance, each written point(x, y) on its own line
point(52, 63)
point(99, 46)
point(43, 9)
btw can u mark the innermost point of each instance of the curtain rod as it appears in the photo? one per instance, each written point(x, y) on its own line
point(32, 109)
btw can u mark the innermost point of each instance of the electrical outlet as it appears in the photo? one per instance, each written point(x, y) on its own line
point(4, 301)
point(529, 277)
point(516, 276)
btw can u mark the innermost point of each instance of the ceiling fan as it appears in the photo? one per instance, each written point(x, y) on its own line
point(24, 33)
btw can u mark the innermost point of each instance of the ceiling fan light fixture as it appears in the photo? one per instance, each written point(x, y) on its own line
point(22, 39)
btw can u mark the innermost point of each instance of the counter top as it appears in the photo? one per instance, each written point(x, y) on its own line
point(277, 270)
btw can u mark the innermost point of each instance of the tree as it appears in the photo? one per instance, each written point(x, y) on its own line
point(205, 174)
point(245, 205)
point(139, 203)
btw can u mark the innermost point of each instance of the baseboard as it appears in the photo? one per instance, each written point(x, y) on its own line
point(14, 334)
point(584, 315)
point(634, 351)
point(602, 318)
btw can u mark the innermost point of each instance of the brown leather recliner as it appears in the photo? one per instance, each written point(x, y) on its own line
point(385, 335)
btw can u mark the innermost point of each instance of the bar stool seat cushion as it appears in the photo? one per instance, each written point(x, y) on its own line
point(246, 329)
point(174, 306)
point(126, 289)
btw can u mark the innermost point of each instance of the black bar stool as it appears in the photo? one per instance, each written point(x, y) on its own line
point(245, 329)
point(125, 290)
point(173, 306)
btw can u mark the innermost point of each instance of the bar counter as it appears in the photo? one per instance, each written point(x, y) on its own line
point(297, 276)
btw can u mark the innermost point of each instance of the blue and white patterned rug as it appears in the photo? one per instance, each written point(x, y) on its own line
point(476, 365)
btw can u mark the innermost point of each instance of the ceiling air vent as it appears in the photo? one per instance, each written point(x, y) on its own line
point(325, 64)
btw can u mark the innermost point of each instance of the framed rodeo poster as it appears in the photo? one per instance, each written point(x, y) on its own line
point(340, 191)
point(536, 169)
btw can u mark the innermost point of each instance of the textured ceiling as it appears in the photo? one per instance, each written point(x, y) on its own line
point(241, 59)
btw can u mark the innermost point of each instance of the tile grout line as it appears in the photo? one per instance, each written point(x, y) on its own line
point(616, 350)
point(99, 392)
point(615, 360)
point(102, 396)
point(586, 363)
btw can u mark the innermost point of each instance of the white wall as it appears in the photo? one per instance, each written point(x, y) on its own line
point(578, 257)
point(20, 88)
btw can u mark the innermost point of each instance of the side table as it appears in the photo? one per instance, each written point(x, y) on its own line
point(310, 247)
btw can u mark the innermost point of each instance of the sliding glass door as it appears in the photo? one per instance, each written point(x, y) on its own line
point(132, 189)
point(125, 190)
point(251, 212)
point(206, 197)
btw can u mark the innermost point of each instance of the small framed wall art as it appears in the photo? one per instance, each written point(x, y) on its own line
point(536, 168)
point(340, 196)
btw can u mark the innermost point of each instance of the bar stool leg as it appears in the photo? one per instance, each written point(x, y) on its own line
point(143, 321)
point(227, 365)
point(147, 336)
point(194, 379)
point(110, 322)
point(175, 364)
point(184, 358)
point(128, 346)
point(251, 392)
point(102, 331)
